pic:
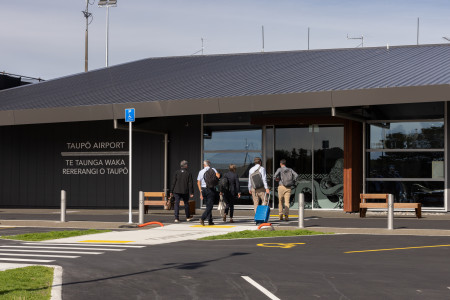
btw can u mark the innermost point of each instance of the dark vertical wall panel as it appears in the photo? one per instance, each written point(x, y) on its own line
point(31, 161)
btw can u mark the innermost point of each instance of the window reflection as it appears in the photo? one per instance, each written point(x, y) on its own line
point(406, 165)
point(233, 140)
point(407, 135)
point(429, 193)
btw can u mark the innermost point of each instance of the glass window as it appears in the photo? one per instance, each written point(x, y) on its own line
point(243, 161)
point(407, 135)
point(406, 159)
point(406, 165)
point(429, 193)
point(233, 140)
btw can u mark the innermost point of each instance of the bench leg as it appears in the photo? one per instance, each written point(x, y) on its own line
point(145, 209)
point(418, 213)
point(362, 212)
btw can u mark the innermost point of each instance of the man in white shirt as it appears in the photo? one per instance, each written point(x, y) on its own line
point(209, 194)
point(260, 192)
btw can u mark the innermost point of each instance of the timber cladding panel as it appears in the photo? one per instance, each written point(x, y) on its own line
point(353, 171)
point(33, 170)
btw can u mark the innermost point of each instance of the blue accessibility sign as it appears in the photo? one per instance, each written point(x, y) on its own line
point(129, 115)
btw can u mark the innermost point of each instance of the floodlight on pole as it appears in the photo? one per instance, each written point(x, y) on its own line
point(88, 16)
point(107, 4)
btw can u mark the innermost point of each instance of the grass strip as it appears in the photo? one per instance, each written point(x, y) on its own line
point(32, 282)
point(51, 235)
point(249, 234)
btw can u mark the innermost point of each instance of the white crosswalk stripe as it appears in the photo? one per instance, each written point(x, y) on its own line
point(32, 251)
point(27, 260)
point(65, 248)
point(38, 255)
point(51, 251)
point(84, 245)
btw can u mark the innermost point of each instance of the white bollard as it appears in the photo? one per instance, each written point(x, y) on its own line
point(141, 207)
point(390, 212)
point(301, 210)
point(63, 206)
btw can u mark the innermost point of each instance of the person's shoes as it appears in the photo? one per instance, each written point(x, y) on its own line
point(286, 217)
point(202, 222)
point(281, 217)
point(231, 220)
point(211, 223)
point(188, 219)
point(224, 217)
point(176, 220)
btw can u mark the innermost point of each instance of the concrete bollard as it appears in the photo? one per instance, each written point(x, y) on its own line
point(390, 212)
point(63, 206)
point(141, 207)
point(301, 210)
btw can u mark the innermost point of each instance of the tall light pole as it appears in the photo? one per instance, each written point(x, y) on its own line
point(87, 15)
point(107, 4)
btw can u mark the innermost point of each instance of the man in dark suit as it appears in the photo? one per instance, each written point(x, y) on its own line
point(182, 187)
point(230, 190)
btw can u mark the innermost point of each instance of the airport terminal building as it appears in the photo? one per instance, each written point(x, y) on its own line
point(348, 121)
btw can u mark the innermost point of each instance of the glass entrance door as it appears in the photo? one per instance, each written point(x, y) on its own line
point(316, 153)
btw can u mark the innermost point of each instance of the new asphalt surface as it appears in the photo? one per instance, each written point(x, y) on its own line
point(410, 262)
point(307, 267)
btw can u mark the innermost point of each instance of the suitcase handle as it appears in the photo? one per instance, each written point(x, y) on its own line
point(267, 198)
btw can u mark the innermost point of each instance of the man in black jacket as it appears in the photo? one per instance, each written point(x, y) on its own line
point(182, 187)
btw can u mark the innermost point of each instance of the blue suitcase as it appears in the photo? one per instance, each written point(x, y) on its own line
point(263, 212)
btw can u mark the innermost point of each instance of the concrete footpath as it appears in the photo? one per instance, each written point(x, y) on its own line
point(329, 221)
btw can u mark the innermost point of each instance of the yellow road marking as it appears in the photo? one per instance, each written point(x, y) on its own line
point(214, 226)
point(279, 245)
point(103, 241)
point(391, 249)
point(6, 227)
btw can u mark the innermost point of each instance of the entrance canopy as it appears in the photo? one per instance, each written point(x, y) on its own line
point(195, 85)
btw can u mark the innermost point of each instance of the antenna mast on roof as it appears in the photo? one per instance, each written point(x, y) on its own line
point(262, 38)
point(201, 50)
point(357, 38)
point(308, 38)
point(417, 31)
point(87, 15)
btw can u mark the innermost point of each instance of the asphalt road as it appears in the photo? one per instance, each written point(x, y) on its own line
point(320, 268)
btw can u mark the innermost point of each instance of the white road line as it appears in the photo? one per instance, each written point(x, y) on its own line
point(29, 260)
point(41, 255)
point(51, 251)
point(67, 248)
point(261, 288)
point(84, 245)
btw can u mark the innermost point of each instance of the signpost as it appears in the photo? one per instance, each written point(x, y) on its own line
point(129, 117)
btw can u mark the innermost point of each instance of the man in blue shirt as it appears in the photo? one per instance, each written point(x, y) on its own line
point(209, 194)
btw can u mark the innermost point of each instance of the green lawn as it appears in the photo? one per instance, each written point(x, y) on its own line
point(32, 282)
point(51, 235)
point(248, 234)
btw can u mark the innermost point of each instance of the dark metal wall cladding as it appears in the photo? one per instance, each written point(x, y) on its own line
point(219, 76)
point(31, 162)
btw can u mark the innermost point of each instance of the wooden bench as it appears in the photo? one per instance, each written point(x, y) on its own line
point(153, 199)
point(363, 206)
point(158, 199)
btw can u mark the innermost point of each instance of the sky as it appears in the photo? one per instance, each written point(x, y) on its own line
point(46, 38)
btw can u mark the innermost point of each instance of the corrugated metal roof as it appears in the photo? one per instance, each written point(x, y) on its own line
point(234, 75)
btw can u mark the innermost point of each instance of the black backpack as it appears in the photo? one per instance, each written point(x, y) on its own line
point(224, 185)
point(210, 178)
point(256, 179)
